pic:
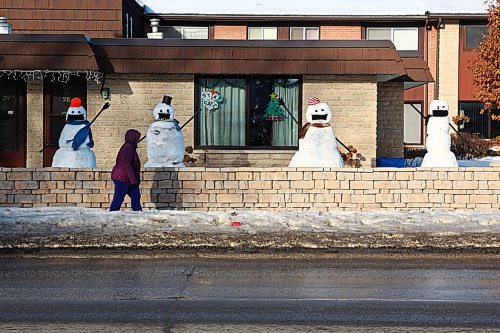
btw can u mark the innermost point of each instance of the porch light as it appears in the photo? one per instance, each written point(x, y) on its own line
point(5, 28)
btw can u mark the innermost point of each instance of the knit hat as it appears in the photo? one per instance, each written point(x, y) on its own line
point(313, 101)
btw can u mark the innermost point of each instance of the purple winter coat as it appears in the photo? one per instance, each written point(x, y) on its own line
point(128, 164)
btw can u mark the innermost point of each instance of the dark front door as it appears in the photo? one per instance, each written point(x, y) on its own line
point(12, 123)
point(57, 98)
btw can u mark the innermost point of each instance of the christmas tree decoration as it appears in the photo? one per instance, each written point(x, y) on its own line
point(273, 110)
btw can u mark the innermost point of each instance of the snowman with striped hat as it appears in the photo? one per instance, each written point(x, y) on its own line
point(317, 142)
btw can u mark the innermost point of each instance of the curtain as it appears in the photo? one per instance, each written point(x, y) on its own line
point(285, 132)
point(225, 125)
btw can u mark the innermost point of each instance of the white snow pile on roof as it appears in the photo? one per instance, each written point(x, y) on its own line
point(64, 220)
point(315, 7)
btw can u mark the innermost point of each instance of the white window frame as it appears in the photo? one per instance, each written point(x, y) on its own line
point(304, 32)
point(392, 35)
point(181, 29)
point(416, 119)
point(262, 33)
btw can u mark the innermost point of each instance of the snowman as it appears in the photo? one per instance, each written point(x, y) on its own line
point(164, 138)
point(438, 141)
point(75, 142)
point(317, 144)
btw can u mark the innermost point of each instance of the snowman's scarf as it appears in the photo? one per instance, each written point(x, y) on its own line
point(305, 128)
point(175, 121)
point(81, 135)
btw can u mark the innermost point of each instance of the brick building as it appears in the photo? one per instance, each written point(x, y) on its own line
point(371, 85)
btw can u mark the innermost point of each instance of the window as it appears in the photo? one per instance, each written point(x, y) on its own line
point(178, 32)
point(237, 118)
point(262, 33)
point(474, 35)
point(412, 123)
point(304, 33)
point(480, 124)
point(404, 39)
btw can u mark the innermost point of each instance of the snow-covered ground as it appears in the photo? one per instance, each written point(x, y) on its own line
point(482, 162)
point(69, 220)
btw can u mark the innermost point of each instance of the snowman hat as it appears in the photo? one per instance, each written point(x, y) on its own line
point(167, 99)
point(313, 100)
point(76, 108)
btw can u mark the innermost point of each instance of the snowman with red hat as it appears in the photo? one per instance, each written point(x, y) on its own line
point(317, 142)
point(164, 139)
point(75, 142)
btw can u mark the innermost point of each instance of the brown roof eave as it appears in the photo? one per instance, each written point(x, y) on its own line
point(47, 52)
point(250, 57)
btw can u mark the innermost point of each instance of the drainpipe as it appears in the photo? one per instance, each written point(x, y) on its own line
point(5, 28)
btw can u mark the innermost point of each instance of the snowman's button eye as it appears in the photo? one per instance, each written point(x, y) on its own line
point(322, 109)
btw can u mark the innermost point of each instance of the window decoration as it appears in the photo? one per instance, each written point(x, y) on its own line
point(63, 76)
point(242, 118)
point(211, 99)
point(273, 110)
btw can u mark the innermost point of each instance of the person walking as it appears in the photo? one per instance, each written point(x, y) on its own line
point(126, 173)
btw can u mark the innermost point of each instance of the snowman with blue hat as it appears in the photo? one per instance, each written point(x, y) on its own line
point(75, 142)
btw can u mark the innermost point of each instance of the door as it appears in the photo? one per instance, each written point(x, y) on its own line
point(12, 123)
point(57, 98)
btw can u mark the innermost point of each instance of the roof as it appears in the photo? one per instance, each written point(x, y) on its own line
point(416, 67)
point(316, 7)
point(46, 52)
point(251, 57)
point(93, 18)
point(209, 57)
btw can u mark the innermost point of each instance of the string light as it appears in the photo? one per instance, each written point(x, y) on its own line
point(55, 76)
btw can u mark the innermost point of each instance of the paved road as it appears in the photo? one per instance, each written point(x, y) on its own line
point(177, 294)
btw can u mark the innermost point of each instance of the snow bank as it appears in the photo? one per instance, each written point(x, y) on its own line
point(69, 220)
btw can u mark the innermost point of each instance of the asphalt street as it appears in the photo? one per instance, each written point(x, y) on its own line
point(125, 292)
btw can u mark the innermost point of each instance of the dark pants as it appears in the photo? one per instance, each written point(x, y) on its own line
point(122, 189)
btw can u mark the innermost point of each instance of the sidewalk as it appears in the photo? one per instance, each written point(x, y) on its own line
point(84, 228)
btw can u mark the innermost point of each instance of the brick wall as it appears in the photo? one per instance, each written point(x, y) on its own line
point(353, 101)
point(432, 51)
point(261, 188)
point(448, 65)
point(230, 32)
point(390, 120)
point(340, 32)
point(34, 123)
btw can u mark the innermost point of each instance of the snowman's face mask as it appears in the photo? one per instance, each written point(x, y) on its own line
point(439, 108)
point(76, 113)
point(164, 112)
point(319, 113)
